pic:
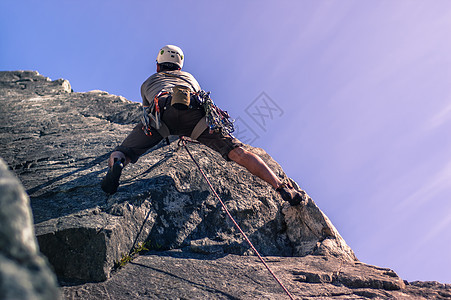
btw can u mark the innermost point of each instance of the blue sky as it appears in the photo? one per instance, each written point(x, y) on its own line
point(363, 89)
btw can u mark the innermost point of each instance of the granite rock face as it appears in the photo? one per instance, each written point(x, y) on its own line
point(24, 272)
point(58, 142)
point(178, 274)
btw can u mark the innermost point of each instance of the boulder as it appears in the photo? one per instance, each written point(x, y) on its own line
point(24, 272)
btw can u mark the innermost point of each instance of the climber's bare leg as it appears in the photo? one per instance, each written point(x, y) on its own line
point(254, 164)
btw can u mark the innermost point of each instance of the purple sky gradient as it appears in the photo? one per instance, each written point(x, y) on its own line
point(365, 87)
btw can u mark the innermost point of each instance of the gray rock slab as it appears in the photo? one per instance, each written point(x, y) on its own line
point(177, 274)
point(58, 142)
point(24, 271)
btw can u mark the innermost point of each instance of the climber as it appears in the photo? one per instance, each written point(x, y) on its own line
point(170, 109)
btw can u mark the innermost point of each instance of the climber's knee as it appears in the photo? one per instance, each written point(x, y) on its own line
point(238, 155)
point(115, 156)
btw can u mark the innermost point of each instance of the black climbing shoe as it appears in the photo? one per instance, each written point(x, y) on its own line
point(290, 194)
point(111, 181)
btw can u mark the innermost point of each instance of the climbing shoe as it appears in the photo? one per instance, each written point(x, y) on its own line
point(289, 194)
point(110, 182)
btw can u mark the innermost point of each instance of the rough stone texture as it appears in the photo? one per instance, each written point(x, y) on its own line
point(24, 272)
point(58, 141)
point(58, 145)
point(178, 274)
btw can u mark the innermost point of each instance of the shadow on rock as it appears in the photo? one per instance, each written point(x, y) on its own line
point(62, 196)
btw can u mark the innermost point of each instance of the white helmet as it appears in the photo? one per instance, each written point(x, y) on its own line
point(171, 54)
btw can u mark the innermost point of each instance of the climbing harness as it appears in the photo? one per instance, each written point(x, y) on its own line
point(215, 118)
point(182, 143)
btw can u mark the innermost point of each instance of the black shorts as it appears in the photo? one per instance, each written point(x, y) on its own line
point(179, 122)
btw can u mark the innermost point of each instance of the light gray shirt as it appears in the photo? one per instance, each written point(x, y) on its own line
point(164, 82)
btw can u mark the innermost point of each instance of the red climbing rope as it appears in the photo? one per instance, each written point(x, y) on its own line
point(182, 143)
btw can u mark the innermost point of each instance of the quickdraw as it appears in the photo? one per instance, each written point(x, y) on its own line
point(217, 119)
point(146, 121)
point(147, 112)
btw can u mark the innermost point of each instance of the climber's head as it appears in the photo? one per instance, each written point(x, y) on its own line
point(170, 58)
